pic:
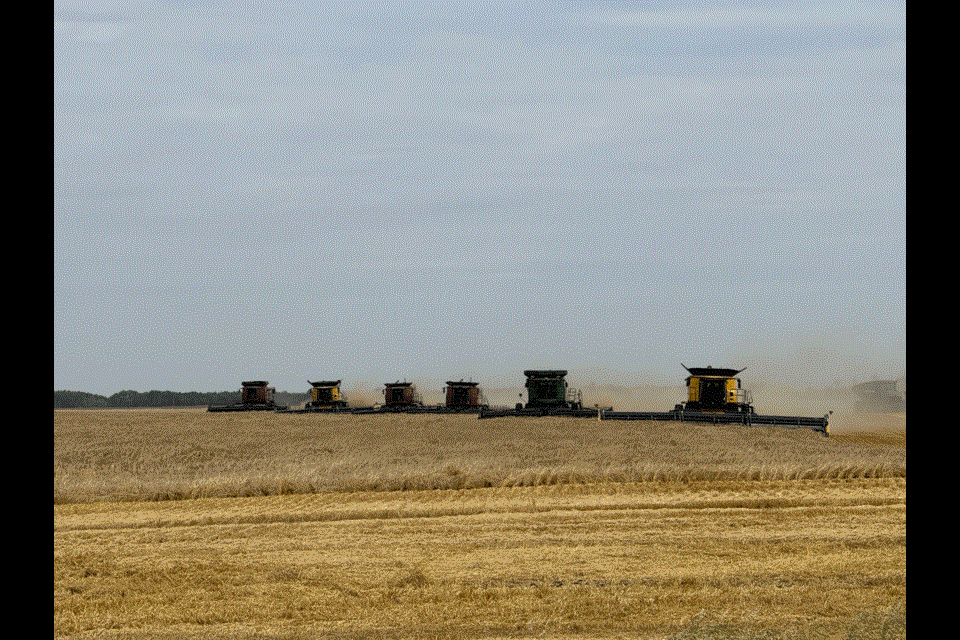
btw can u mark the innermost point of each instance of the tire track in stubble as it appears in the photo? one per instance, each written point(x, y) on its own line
point(451, 503)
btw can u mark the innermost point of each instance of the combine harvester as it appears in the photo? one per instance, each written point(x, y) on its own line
point(403, 397)
point(254, 396)
point(464, 397)
point(398, 397)
point(459, 397)
point(714, 396)
point(325, 397)
point(548, 394)
point(879, 396)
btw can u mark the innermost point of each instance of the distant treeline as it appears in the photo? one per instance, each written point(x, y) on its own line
point(82, 399)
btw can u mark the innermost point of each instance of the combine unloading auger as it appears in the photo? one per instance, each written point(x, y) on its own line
point(714, 396)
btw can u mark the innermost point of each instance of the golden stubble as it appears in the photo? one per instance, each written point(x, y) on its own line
point(300, 526)
point(172, 454)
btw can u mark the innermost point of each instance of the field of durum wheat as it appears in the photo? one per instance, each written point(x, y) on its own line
point(183, 523)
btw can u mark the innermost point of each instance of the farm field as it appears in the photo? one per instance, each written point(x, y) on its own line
point(188, 524)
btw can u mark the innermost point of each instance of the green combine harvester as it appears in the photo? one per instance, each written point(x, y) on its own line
point(548, 394)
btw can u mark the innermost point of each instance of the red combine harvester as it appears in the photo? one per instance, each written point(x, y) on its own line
point(403, 397)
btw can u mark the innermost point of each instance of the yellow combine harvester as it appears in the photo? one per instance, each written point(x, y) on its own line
point(325, 396)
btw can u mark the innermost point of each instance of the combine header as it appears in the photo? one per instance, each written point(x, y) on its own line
point(254, 396)
point(714, 396)
point(325, 397)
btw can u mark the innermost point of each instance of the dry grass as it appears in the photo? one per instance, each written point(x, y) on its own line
point(303, 526)
point(174, 454)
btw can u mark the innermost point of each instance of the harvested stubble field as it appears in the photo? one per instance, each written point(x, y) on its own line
point(188, 524)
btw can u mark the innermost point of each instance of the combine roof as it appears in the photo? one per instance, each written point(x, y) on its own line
point(711, 371)
point(548, 373)
point(326, 383)
point(255, 383)
point(462, 384)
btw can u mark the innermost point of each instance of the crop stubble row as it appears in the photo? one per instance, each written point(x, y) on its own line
point(739, 555)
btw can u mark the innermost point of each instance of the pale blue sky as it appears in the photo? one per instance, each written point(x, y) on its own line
point(379, 191)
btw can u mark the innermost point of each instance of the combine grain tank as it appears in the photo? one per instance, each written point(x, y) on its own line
point(255, 395)
point(713, 395)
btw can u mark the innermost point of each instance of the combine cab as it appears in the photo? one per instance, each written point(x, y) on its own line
point(713, 395)
point(325, 397)
point(254, 396)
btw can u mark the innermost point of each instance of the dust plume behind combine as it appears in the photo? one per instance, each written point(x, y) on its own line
point(804, 384)
point(362, 395)
point(773, 390)
point(818, 375)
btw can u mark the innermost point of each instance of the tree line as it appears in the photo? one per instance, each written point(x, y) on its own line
point(85, 400)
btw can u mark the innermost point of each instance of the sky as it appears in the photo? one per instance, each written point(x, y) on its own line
point(463, 190)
